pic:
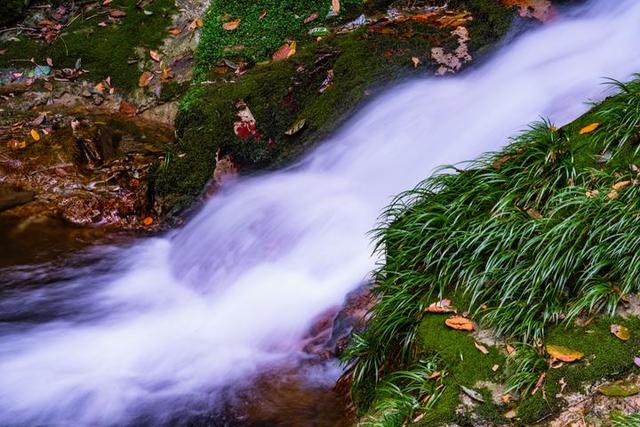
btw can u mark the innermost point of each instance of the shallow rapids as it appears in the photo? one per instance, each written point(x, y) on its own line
point(179, 319)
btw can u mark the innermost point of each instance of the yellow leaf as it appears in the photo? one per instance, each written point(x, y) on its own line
point(460, 323)
point(35, 135)
point(231, 25)
point(145, 78)
point(563, 354)
point(621, 332)
point(590, 128)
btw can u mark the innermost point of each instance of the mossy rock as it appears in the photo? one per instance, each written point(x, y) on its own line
point(282, 93)
point(104, 52)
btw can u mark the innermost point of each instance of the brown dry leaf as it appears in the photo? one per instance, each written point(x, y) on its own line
point(510, 349)
point(613, 195)
point(592, 193)
point(443, 306)
point(35, 135)
point(117, 13)
point(196, 23)
point(127, 108)
point(287, 50)
point(49, 62)
point(145, 79)
point(155, 55)
point(107, 2)
point(416, 61)
point(563, 354)
point(620, 185)
point(263, 14)
point(590, 128)
point(506, 398)
point(538, 383)
point(14, 144)
point(311, 18)
point(481, 348)
point(510, 414)
point(100, 87)
point(231, 25)
point(174, 31)
point(434, 375)
point(621, 332)
point(335, 5)
point(533, 213)
point(460, 323)
point(147, 221)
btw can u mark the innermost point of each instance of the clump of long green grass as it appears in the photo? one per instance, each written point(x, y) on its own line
point(402, 395)
point(544, 231)
point(524, 367)
point(632, 420)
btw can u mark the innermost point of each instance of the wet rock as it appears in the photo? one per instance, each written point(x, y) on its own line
point(10, 198)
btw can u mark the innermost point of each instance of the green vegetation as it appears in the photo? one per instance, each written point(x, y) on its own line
point(104, 52)
point(534, 236)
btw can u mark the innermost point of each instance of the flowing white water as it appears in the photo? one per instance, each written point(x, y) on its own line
point(237, 287)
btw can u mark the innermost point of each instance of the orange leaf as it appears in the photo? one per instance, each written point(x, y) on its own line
point(563, 354)
point(14, 144)
point(620, 185)
point(443, 306)
point(621, 332)
point(35, 135)
point(335, 5)
point(231, 25)
point(590, 128)
point(460, 323)
point(285, 51)
point(147, 221)
point(155, 55)
point(127, 108)
point(510, 349)
point(174, 31)
point(145, 78)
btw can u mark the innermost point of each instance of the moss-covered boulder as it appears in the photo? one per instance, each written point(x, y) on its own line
point(293, 102)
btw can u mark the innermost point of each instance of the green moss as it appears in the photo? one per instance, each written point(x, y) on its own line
point(605, 357)
point(173, 90)
point(259, 34)
point(465, 365)
point(104, 52)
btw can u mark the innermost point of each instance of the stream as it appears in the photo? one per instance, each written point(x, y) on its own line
point(172, 330)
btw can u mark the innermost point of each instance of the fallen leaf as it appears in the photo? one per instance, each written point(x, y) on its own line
point(174, 31)
point(538, 383)
point(309, 19)
point(155, 55)
point(245, 127)
point(533, 213)
point(590, 128)
point(506, 398)
point(416, 61)
point(107, 2)
point(231, 25)
point(620, 185)
point(510, 414)
point(147, 221)
point(14, 144)
point(100, 87)
point(434, 375)
point(145, 79)
point(327, 82)
point(49, 62)
point(295, 128)
point(472, 393)
point(196, 23)
point(443, 306)
point(510, 349)
point(495, 368)
point(619, 389)
point(263, 14)
point(38, 120)
point(3, 51)
point(621, 332)
point(287, 50)
point(127, 108)
point(636, 360)
point(35, 135)
point(335, 6)
point(117, 13)
point(460, 323)
point(613, 195)
point(563, 384)
point(592, 193)
point(481, 348)
point(563, 354)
